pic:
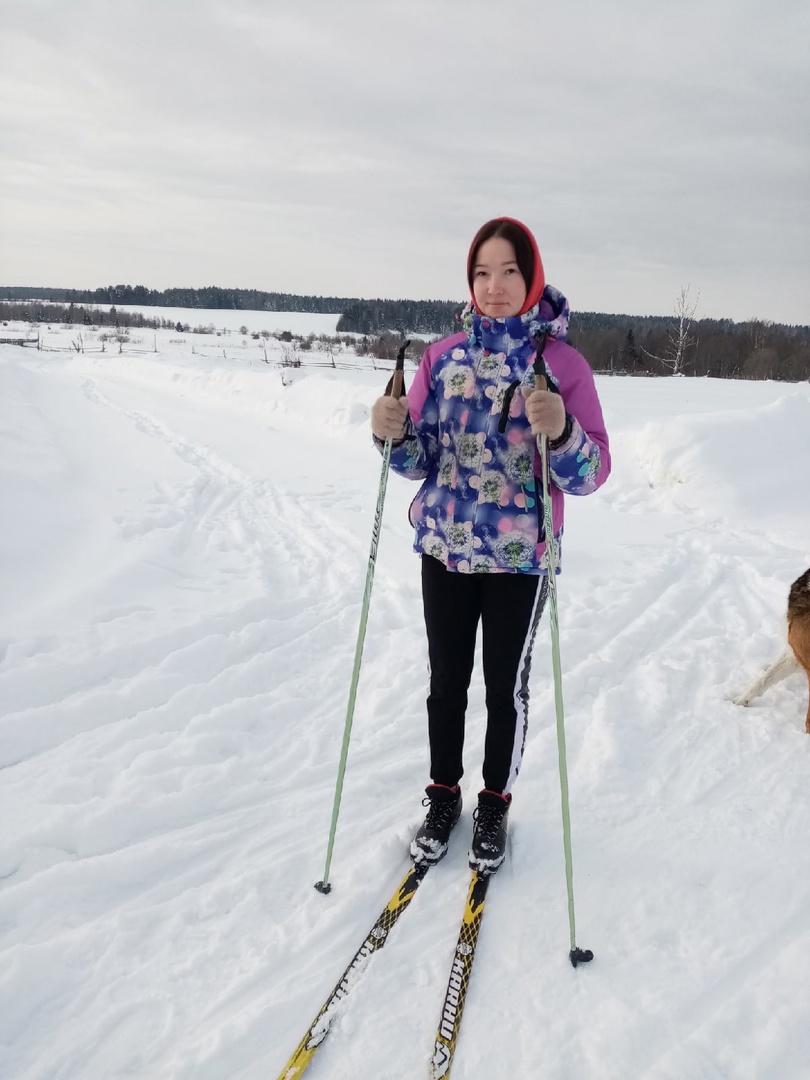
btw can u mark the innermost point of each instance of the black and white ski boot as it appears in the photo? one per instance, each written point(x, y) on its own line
point(489, 837)
point(444, 809)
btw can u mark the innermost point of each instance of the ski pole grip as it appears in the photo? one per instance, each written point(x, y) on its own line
point(397, 384)
point(396, 387)
point(540, 381)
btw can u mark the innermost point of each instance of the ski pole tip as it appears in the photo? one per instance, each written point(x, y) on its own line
point(323, 887)
point(580, 956)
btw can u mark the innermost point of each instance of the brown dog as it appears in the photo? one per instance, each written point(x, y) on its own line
point(797, 654)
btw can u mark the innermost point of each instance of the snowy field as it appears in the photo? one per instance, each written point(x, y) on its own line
point(228, 321)
point(182, 558)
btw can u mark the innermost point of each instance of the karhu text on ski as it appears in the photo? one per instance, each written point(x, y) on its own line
point(444, 809)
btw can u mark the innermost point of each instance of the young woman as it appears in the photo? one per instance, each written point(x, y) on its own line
point(468, 429)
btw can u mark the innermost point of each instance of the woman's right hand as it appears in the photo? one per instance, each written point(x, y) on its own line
point(388, 418)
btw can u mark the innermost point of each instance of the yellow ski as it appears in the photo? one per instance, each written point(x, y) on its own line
point(375, 939)
point(460, 972)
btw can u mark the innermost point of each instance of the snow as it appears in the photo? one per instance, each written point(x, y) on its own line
point(184, 546)
point(226, 320)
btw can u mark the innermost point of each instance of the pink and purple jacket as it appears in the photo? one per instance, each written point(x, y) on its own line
point(479, 509)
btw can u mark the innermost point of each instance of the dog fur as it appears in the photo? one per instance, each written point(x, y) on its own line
point(796, 656)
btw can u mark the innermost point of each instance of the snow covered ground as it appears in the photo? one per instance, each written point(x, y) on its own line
point(183, 548)
point(230, 321)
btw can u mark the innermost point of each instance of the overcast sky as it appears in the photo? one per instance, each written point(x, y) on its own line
point(352, 147)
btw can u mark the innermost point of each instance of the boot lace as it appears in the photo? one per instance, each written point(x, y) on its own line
point(488, 821)
point(440, 813)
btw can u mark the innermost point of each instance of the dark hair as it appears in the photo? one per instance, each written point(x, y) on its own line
point(505, 230)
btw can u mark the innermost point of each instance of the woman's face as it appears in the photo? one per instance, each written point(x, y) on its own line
point(498, 285)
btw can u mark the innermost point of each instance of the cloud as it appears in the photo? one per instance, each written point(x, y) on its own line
point(354, 148)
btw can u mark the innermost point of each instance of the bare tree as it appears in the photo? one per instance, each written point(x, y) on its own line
point(331, 349)
point(679, 337)
point(291, 354)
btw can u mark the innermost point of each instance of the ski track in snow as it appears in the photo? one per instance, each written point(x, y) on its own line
point(173, 696)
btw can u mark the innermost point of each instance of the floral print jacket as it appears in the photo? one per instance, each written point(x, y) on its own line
point(479, 508)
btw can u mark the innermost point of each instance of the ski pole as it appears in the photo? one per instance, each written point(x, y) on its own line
point(576, 955)
point(395, 390)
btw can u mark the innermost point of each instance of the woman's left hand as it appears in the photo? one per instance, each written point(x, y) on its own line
point(546, 413)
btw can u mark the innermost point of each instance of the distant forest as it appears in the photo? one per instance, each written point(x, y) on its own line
point(622, 344)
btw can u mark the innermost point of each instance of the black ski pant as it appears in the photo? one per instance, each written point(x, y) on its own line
point(509, 607)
